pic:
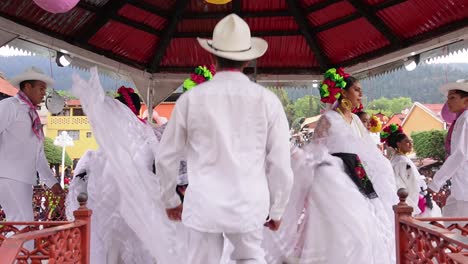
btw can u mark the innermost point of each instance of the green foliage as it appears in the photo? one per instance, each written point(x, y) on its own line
point(296, 124)
point(286, 102)
point(430, 144)
point(307, 106)
point(421, 85)
point(66, 94)
point(387, 106)
point(54, 153)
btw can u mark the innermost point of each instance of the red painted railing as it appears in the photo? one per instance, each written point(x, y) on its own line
point(55, 241)
point(429, 240)
point(46, 205)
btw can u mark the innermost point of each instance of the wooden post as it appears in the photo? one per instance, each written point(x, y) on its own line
point(83, 213)
point(402, 209)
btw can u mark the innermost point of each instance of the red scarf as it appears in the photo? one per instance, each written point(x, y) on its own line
point(36, 121)
point(448, 141)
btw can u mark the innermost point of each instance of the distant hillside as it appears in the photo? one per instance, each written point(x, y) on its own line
point(12, 66)
point(420, 85)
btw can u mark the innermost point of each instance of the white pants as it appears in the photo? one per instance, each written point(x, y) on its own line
point(207, 248)
point(455, 208)
point(16, 200)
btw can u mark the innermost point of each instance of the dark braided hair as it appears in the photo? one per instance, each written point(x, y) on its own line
point(135, 100)
point(395, 138)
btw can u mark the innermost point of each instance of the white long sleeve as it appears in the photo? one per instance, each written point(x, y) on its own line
point(278, 158)
point(46, 175)
point(172, 146)
point(456, 165)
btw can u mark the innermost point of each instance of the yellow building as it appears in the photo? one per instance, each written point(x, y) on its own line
point(73, 120)
point(421, 118)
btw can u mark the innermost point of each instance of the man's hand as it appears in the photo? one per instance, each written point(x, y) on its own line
point(273, 225)
point(175, 214)
point(57, 189)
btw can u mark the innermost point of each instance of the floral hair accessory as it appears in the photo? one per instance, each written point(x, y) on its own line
point(358, 109)
point(332, 84)
point(125, 93)
point(389, 130)
point(375, 124)
point(200, 75)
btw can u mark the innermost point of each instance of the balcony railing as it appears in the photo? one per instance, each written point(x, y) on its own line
point(55, 242)
point(429, 240)
point(69, 122)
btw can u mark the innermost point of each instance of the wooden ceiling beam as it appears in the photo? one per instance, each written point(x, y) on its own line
point(220, 15)
point(103, 16)
point(254, 34)
point(169, 31)
point(237, 7)
point(407, 43)
point(73, 41)
point(321, 5)
point(369, 13)
point(308, 33)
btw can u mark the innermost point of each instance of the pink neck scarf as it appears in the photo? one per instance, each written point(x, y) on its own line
point(36, 121)
point(448, 141)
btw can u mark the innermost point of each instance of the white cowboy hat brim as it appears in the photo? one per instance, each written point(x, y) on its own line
point(463, 86)
point(32, 76)
point(258, 48)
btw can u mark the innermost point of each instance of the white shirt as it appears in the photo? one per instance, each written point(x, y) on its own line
point(456, 165)
point(21, 152)
point(407, 176)
point(235, 136)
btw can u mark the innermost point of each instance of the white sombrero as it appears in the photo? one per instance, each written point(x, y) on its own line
point(32, 74)
point(232, 40)
point(458, 85)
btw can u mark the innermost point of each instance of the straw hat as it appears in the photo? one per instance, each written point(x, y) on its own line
point(232, 40)
point(458, 85)
point(32, 74)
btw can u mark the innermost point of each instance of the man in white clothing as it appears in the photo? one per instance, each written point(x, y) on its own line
point(455, 166)
point(235, 137)
point(21, 147)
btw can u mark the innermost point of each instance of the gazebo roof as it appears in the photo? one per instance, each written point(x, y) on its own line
point(304, 36)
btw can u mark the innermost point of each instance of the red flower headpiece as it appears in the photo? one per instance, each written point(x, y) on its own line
point(389, 130)
point(125, 93)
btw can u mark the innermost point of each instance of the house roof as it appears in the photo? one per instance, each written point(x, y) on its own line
point(396, 119)
point(435, 108)
point(7, 88)
point(304, 36)
point(424, 108)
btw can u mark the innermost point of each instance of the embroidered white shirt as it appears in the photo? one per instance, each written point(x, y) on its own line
point(21, 152)
point(456, 165)
point(234, 134)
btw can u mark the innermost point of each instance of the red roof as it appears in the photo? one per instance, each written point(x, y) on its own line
point(7, 88)
point(396, 119)
point(435, 108)
point(304, 36)
point(73, 102)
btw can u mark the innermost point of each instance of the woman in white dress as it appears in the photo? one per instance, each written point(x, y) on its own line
point(129, 223)
point(344, 185)
point(406, 173)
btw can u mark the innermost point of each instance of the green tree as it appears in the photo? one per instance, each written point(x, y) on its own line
point(66, 94)
point(286, 102)
point(387, 106)
point(54, 154)
point(307, 106)
point(430, 144)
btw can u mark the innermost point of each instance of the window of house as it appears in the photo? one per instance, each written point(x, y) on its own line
point(78, 112)
point(74, 134)
point(89, 134)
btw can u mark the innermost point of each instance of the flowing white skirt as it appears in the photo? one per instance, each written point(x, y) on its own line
point(328, 220)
